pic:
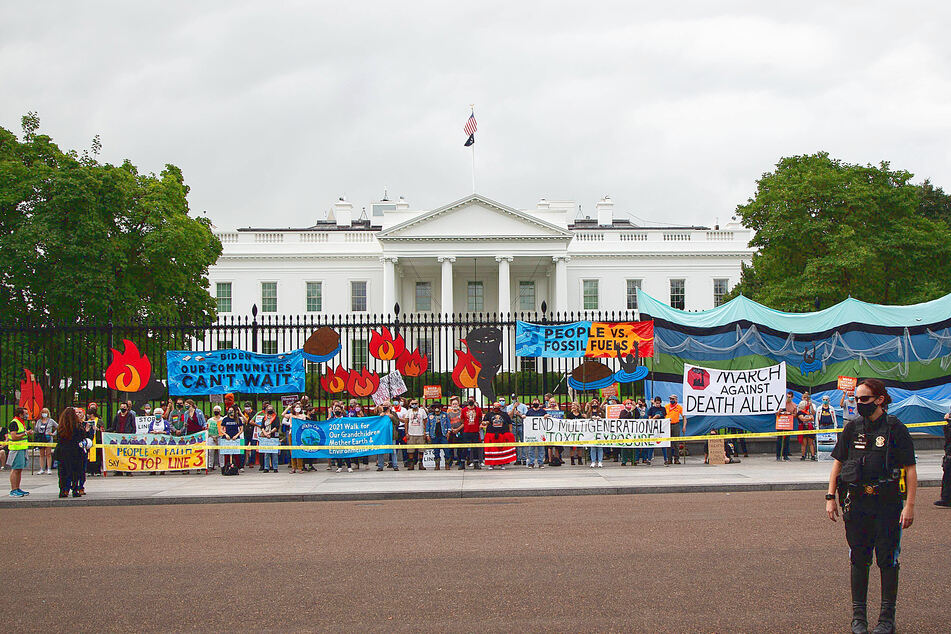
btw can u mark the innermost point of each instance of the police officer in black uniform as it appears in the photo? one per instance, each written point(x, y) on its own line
point(875, 475)
point(945, 499)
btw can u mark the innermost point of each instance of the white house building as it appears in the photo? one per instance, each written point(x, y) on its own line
point(474, 255)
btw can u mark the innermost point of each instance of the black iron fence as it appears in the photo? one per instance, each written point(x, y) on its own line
point(69, 362)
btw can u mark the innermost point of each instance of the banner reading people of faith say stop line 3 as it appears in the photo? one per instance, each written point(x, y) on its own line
point(713, 392)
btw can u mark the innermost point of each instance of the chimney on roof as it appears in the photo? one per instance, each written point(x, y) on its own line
point(543, 204)
point(343, 212)
point(605, 209)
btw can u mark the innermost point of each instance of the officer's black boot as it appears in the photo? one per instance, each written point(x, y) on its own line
point(886, 618)
point(859, 599)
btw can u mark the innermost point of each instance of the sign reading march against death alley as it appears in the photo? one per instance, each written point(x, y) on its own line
point(712, 392)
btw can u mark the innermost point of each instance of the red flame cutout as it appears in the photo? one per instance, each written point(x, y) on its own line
point(129, 371)
point(466, 372)
point(384, 347)
point(31, 395)
point(363, 383)
point(412, 363)
point(335, 381)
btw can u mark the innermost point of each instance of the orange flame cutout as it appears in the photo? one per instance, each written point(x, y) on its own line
point(466, 372)
point(363, 383)
point(384, 347)
point(335, 381)
point(412, 363)
point(31, 395)
point(129, 371)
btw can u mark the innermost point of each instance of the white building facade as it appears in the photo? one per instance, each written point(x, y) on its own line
point(474, 255)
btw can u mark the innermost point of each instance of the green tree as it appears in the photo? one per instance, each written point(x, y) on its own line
point(80, 238)
point(829, 230)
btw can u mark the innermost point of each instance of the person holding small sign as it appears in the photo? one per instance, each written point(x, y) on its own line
point(782, 442)
point(806, 415)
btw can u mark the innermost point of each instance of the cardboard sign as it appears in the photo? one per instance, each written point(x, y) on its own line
point(432, 391)
point(611, 390)
point(847, 383)
point(785, 422)
point(613, 411)
point(288, 400)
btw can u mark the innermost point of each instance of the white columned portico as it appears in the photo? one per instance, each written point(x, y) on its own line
point(561, 283)
point(446, 291)
point(505, 284)
point(389, 283)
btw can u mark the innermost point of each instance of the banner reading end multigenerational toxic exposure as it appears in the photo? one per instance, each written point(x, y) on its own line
point(361, 430)
point(712, 392)
point(563, 431)
point(223, 371)
point(152, 452)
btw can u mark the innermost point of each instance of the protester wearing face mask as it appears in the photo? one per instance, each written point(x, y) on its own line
point(535, 456)
point(437, 433)
point(415, 432)
point(456, 428)
point(93, 433)
point(338, 412)
point(287, 424)
point(214, 432)
point(175, 413)
point(675, 412)
point(471, 423)
point(634, 456)
point(269, 429)
point(498, 430)
point(400, 438)
point(45, 431)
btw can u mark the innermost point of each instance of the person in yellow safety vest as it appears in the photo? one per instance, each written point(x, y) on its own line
point(17, 446)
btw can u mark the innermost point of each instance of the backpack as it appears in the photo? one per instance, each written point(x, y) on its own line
point(229, 470)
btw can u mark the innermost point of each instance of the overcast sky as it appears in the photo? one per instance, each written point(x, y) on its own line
point(673, 109)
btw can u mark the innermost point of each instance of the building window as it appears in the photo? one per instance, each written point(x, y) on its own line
point(359, 353)
point(475, 297)
point(527, 364)
point(268, 297)
point(425, 345)
point(632, 288)
point(424, 297)
point(223, 295)
point(225, 344)
point(526, 295)
point(720, 288)
point(358, 297)
point(589, 294)
point(678, 296)
point(269, 346)
point(315, 297)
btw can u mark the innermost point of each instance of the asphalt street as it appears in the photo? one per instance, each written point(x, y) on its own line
point(711, 562)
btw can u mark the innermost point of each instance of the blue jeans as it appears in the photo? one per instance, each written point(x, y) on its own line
point(439, 450)
point(535, 454)
point(269, 460)
point(519, 431)
point(381, 459)
point(597, 454)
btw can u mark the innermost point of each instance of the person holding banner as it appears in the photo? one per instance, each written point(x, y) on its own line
point(214, 431)
point(675, 412)
point(657, 412)
point(535, 456)
point(415, 418)
point(782, 442)
point(69, 433)
point(269, 430)
point(386, 410)
point(807, 420)
point(159, 425)
point(437, 433)
point(232, 429)
point(498, 430)
point(634, 456)
point(471, 423)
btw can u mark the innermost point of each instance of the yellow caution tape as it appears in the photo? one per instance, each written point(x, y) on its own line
point(646, 442)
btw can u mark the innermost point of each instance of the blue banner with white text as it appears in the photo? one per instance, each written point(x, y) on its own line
point(357, 430)
point(222, 371)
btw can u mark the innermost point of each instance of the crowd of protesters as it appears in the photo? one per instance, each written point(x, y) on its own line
point(459, 421)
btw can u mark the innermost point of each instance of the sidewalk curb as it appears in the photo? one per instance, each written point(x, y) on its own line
point(424, 495)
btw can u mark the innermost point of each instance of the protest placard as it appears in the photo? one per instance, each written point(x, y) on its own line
point(562, 431)
point(431, 392)
point(230, 447)
point(366, 430)
point(847, 383)
point(713, 392)
point(785, 422)
point(268, 445)
point(152, 452)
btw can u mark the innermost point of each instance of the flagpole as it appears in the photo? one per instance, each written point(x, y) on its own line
point(472, 147)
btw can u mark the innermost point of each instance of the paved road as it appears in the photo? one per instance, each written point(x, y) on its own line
point(718, 562)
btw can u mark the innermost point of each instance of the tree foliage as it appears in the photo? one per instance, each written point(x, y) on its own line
point(828, 230)
point(80, 237)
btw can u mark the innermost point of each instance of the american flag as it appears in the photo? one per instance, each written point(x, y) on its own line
point(471, 125)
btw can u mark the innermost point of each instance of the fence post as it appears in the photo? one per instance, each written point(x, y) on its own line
point(254, 328)
point(544, 359)
point(109, 395)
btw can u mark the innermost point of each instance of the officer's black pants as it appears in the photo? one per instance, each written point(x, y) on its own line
point(946, 480)
point(873, 524)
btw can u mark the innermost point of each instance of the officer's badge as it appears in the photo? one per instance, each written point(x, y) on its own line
point(880, 441)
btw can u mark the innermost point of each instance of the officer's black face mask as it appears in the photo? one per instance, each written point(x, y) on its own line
point(866, 409)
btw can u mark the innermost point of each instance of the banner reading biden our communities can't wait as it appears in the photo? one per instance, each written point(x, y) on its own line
point(564, 431)
point(153, 452)
point(712, 392)
point(222, 371)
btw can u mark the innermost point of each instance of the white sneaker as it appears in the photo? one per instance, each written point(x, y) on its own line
point(541, 466)
point(531, 465)
point(600, 464)
point(594, 464)
point(489, 467)
point(339, 469)
point(349, 469)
